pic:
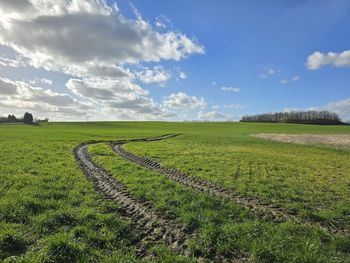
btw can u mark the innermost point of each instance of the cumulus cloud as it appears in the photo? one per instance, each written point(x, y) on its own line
point(230, 89)
point(103, 89)
point(21, 95)
point(95, 44)
point(127, 97)
point(58, 29)
point(318, 59)
point(215, 116)
point(156, 75)
point(341, 107)
point(184, 102)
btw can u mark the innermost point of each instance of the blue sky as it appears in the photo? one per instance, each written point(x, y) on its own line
point(194, 60)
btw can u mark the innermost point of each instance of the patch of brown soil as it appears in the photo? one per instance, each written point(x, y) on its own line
point(339, 140)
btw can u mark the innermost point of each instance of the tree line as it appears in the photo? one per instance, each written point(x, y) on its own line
point(27, 119)
point(302, 117)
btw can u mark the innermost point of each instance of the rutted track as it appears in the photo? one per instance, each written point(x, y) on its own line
point(153, 227)
point(261, 209)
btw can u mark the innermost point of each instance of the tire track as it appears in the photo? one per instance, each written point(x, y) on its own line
point(154, 227)
point(263, 210)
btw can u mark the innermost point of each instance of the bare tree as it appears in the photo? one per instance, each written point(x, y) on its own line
point(306, 117)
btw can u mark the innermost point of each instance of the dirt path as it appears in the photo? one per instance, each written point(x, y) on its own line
point(154, 227)
point(261, 209)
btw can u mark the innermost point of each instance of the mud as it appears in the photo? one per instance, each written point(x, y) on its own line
point(152, 226)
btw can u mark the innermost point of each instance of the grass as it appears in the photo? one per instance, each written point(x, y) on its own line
point(312, 181)
point(49, 212)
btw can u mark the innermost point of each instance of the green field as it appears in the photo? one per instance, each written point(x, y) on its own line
point(50, 212)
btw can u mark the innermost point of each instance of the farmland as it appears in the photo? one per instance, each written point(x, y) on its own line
point(280, 202)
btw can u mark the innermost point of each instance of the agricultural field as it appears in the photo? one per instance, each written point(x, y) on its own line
point(172, 192)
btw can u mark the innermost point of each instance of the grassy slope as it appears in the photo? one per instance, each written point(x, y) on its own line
point(224, 227)
point(312, 181)
point(50, 212)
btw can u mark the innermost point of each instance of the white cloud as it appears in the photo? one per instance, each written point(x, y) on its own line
point(215, 107)
point(112, 95)
point(22, 96)
point(317, 59)
point(230, 89)
point(285, 81)
point(234, 106)
point(182, 101)
point(295, 78)
point(155, 75)
point(103, 89)
point(58, 29)
point(341, 107)
point(215, 116)
point(94, 44)
point(269, 72)
point(14, 63)
point(182, 75)
point(40, 81)
point(162, 21)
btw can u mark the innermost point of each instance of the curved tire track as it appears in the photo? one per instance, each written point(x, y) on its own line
point(263, 210)
point(152, 226)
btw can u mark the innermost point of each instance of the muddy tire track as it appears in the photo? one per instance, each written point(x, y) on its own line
point(264, 210)
point(152, 226)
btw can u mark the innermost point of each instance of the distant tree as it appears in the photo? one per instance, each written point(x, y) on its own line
point(306, 117)
point(28, 118)
point(11, 118)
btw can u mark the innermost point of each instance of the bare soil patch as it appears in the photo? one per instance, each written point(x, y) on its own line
point(338, 140)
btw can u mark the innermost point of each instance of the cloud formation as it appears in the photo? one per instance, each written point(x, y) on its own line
point(285, 81)
point(184, 102)
point(269, 72)
point(230, 89)
point(58, 29)
point(95, 45)
point(317, 59)
point(19, 95)
point(156, 75)
point(215, 116)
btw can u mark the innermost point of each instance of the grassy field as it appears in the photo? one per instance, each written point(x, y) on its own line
point(50, 212)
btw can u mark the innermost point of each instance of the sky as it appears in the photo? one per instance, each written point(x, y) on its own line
point(200, 60)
